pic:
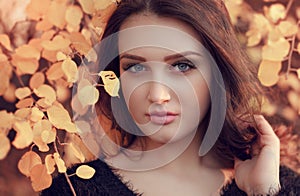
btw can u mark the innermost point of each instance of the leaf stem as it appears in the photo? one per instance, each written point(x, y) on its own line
point(288, 7)
point(65, 173)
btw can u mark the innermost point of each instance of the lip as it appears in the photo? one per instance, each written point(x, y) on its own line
point(162, 117)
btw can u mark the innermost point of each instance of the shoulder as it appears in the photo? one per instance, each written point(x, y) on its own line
point(104, 182)
point(289, 181)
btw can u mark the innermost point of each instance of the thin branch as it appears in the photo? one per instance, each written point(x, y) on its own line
point(290, 57)
point(288, 7)
point(65, 173)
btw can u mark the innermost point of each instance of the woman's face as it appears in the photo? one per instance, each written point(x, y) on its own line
point(164, 76)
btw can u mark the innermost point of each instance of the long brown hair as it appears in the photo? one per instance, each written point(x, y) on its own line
point(211, 20)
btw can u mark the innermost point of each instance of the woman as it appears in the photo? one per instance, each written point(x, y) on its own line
point(187, 111)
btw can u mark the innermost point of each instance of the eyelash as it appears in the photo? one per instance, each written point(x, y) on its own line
point(185, 62)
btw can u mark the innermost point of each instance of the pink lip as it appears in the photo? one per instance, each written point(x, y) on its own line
point(162, 117)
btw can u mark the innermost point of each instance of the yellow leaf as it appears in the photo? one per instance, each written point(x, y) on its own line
point(60, 118)
point(6, 120)
point(76, 152)
point(87, 6)
point(59, 163)
point(50, 163)
point(25, 65)
point(73, 16)
point(22, 114)
point(5, 41)
point(60, 56)
point(27, 51)
point(36, 114)
point(85, 172)
point(69, 68)
point(47, 92)
point(80, 43)
point(56, 14)
point(111, 83)
point(36, 80)
point(287, 28)
point(254, 37)
point(4, 146)
point(101, 5)
point(36, 9)
point(268, 72)
point(23, 92)
point(28, 161)
point(40, 179)
point(63, 93)
point(24, 136)
point(58, 43)
point(276, 12)
point(276, 50)
point(87, 93)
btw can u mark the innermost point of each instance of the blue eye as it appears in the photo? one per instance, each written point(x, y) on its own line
point(135, 68)
point(183, 66)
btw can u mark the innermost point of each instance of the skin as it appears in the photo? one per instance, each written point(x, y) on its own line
point(158, 92)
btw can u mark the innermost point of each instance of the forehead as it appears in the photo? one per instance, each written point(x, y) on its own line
point(140, 31)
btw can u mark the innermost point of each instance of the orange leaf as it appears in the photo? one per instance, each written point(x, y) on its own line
point(50, 164)
point(6, 120)
point(60, 118)
point(28, 161)
point(22, 114)
point(57, 43)
point(63, 93)
point(47, 92)
point(25, 65)
point(111, 82)
point(77, 106)
point(276, 50)
point(76, 152)
point(80, 43)
point(59, 163)
point(28, 102)
point(4, 146)
point(9, 94)
point(87, 6)
point(36, 80)
point(27, 51)
point(85, 172)
point(36, 9)
point(23, 92)
point(36, 114)
point(60, 56)
point(4, 81)
point(69, 68)
point(74, 16)
point(5, 41)
point(40, 179)
point(43, 25)
point(55, 71)
point(268, 72)
point(101, 5)
point(24, 136)
point(56, 14)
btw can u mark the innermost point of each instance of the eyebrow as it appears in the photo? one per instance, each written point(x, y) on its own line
point(173, 56)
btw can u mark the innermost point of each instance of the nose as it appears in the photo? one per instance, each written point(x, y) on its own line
point(158, 93)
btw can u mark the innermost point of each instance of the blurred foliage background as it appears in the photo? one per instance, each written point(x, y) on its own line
point(43, 42)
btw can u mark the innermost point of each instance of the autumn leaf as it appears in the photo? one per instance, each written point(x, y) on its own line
point(47, 92)
point(75, 150)
point(73, 17)
point(23, 92)
point(287, 28)
point(58, 42)
point(270, 51)
point(4, 146)
point(40, 179)
point(24, 103)
point(36, 9)
point(87, 93)
point(276, 12)
point(28, 161)
point(85, 172)
point(87, 6)
point(27, 51)
point(50, 163)
point(268, 72)
point(111, 83)
point(69, 68)
point(36, 114)
point(59, 163)
point(6, 120)
point(5, 42)
point(24, 136)
point(61, 119)
point(36, 80)
point(56, 13)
